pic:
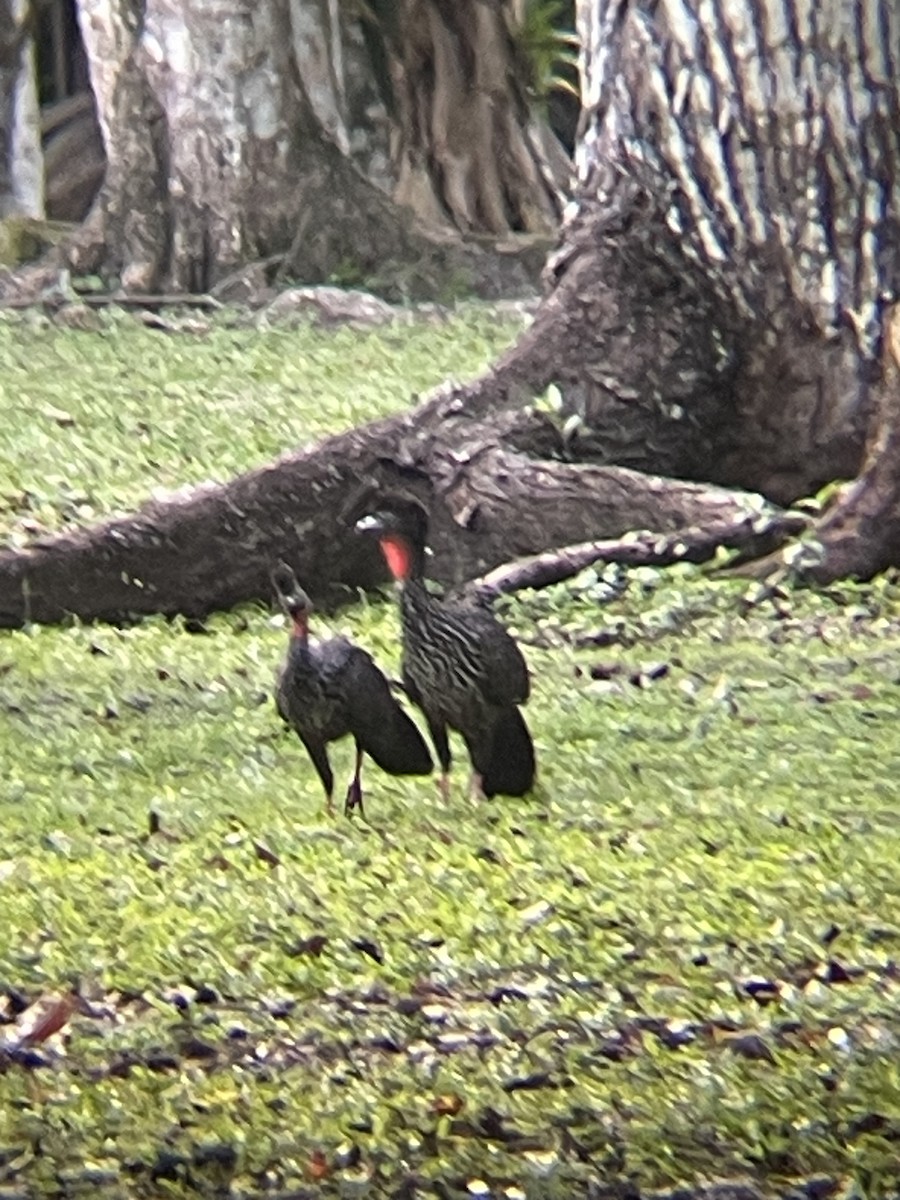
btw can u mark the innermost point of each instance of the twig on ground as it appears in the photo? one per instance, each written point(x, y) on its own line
point(638, 549)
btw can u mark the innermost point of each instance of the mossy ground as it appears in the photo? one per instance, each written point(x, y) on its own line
point(677, 962)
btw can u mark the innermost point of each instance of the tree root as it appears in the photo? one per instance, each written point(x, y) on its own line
point(491, 476)
point(641, 549)
point(859, 535)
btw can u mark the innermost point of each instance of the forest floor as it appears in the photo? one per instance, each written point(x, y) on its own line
point(677, 962)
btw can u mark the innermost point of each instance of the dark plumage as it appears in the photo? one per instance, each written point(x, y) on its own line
point(460, 666)
point(329, 689)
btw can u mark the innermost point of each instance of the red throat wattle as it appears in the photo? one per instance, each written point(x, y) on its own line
point(299, 625)
point(398, 556)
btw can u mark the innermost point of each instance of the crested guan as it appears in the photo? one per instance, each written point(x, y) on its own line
point(328, 689)
point(460, 666)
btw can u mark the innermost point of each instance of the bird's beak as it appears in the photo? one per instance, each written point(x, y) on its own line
point(370, 524)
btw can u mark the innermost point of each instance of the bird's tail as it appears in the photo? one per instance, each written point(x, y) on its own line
point(399, 748)
point(510, 767)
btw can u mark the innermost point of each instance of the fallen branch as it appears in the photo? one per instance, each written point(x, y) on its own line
point(490, 472)
point(641, 549)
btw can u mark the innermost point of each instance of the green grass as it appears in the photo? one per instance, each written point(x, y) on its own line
point(92, 423)
point(676, 962)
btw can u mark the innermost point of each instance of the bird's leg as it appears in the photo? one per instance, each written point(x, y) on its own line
point(438, 731)
point(318, 752)
point(477, 754)
point(354, 791)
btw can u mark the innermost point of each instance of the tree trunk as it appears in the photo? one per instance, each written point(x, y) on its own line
point(21, 170)
point(739, 180)
point(226, 143)
point(861, 534)
point(8, 76)
point(756, 163)
point(208, 136)
point(466, 146)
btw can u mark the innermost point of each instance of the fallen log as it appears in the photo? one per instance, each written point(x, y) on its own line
point(492, 477)
point(640, 549)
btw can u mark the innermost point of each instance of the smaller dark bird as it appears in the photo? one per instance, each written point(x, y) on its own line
point(329, 689)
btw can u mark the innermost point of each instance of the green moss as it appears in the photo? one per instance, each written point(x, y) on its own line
point(676, 962)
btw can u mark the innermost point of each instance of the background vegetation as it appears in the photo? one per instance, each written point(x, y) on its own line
point(676, 962)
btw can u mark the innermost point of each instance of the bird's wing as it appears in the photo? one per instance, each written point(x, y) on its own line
point(409, 687)
point(509, 768)
point(504, 673)
point(378, 722)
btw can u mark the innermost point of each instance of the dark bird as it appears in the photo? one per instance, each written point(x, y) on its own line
point(329, 689)
point(460, 666)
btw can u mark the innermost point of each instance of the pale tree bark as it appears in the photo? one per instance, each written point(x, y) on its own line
point(319, 53)
point(206, 132)
point(226, 143)
point(21, 166)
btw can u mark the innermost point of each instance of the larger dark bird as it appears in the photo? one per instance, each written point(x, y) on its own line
point(460, 666)
point(329, 689)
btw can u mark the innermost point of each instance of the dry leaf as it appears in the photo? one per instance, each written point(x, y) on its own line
point(447, 1105)
point(317, 1167)
point(47, 1017)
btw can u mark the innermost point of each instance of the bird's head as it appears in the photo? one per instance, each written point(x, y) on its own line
point(292, 598)
point(402, 532)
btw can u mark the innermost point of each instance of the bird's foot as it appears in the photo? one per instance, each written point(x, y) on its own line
point(476, 790)
point(329, 806)
point(354, 799)
point(444, 785)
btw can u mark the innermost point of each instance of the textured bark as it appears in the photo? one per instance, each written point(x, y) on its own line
point(746, 157)
point(74, 159)
point(466, 146)
point(21, 169)
point(224, 138)
point(861, 533)
point(318, 51)
point(739, 202)
point(496, 490)
point(205, 130)
point(8, 75)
